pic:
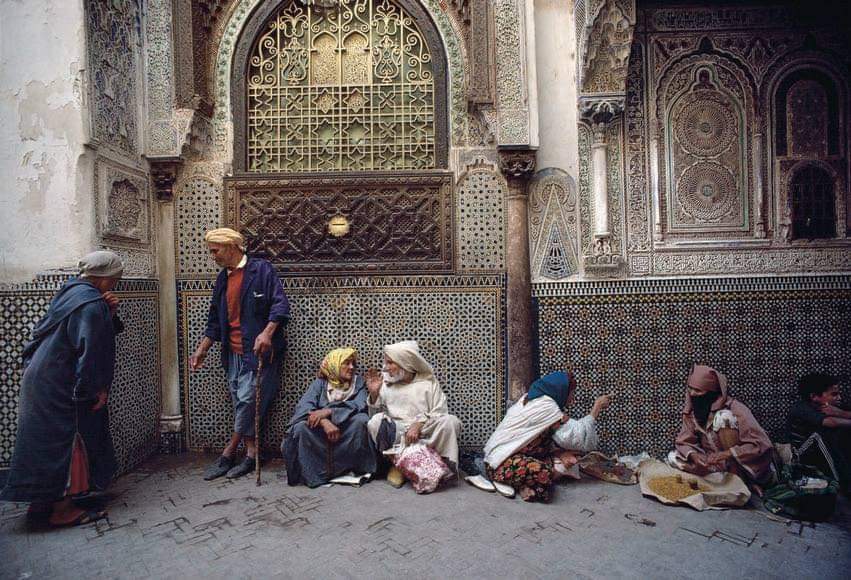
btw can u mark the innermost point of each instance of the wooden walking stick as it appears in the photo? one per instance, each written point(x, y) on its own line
point(257, 380)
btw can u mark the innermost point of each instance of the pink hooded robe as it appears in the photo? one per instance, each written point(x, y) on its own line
point(751, 456)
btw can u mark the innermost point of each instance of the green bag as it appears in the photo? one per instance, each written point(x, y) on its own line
point(793, 496)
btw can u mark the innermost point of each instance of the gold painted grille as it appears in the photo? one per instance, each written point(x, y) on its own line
point(345, 88)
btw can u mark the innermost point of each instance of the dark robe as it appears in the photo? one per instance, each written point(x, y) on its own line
point(70, 359)
point(310, 459)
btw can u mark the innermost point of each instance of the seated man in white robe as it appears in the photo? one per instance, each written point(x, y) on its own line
point(408, 396)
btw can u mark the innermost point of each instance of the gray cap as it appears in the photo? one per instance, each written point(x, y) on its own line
point(102, 263)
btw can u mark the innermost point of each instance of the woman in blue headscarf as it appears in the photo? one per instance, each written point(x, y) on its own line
point(521, 455)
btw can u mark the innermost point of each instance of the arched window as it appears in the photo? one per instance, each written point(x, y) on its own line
point(813, 210)
point(807, 118)
point(358, 85)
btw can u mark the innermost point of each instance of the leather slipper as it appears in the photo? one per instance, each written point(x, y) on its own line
point(481, 483)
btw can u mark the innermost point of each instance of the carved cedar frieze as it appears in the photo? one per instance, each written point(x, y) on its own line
point(390, 221)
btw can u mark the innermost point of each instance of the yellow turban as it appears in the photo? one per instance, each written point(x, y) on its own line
point(331, 364)
point(225, 236)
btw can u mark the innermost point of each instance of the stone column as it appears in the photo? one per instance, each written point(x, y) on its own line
point(654, 189)
point(171, 417)
point(518, 166)
point(599, 113)
point(759, 195)
point(600, 172)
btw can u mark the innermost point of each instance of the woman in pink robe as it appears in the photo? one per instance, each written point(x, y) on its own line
point(719, 433)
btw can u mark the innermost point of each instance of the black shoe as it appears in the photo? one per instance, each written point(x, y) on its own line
point(219, 467)
point(243, 467)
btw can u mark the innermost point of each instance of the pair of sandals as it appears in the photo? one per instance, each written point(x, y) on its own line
point(484, 484)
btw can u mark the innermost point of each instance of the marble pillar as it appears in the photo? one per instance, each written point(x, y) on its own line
point(171, 417)
point(518, 166)
point(603, 259)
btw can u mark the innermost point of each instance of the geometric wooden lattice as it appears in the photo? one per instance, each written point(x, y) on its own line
point(400, 221)
point(344, 87)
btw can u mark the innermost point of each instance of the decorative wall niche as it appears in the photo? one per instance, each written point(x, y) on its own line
point(809, 138)
point(706, 144)
point(553, 225)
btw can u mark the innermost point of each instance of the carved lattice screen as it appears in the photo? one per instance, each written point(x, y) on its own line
point(345, 88)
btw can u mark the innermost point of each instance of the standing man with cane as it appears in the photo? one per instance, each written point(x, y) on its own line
point(247, 315)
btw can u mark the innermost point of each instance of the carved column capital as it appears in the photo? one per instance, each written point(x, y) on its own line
point(163, 175)
point(601, 110)
point(517, 163)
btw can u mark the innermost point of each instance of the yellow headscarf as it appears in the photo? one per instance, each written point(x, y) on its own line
point(331, 364)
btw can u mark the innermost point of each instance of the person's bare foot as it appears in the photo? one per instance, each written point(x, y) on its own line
point(527, 493)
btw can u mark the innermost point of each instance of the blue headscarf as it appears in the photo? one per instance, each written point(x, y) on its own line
point(554, 385)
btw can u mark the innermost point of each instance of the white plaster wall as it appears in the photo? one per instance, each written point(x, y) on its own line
point(556, 74)
point(46, 204)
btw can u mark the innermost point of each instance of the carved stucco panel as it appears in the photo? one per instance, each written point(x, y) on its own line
point(609, 40)
point(123, 203)
point(553, 225)
point(481, 194)
point(511, 92)
point(757, 261)
point(113, 39)
point(614, 160)
point(635, 152)
point(705, 104)
point(586, 209)
point(162, 136)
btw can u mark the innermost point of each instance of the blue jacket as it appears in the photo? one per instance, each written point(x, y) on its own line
point(261, 300)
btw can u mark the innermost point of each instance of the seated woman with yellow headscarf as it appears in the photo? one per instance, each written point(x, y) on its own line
point(327, 435)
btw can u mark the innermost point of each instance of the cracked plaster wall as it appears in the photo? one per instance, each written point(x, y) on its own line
point(46, 208)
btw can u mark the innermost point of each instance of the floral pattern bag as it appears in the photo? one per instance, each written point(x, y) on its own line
point(423, 467)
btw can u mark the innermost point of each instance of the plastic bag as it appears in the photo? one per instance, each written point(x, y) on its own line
point(423, 467)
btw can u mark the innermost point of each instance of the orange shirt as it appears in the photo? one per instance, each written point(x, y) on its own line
point(233, 291)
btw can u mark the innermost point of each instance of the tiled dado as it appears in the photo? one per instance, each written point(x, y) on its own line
point(638, 340)
point(458, 321)
point(134, 402)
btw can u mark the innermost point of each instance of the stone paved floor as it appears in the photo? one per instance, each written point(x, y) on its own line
point(166, 522)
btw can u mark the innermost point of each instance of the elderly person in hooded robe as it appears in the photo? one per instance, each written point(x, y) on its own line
point(521, 455)
point(719, 433)
point(327, 435)
point(407, 405)
point(63, 447)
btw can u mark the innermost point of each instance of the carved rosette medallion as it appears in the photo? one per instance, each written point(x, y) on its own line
point(707, 192)
point(706, 124)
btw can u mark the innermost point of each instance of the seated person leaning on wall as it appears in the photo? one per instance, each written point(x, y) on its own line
point(327, 434)
point(719, 433)
point(820, 430)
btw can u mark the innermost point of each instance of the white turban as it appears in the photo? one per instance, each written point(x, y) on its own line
point(225, 236)
point(407, 355)
point(102, 263)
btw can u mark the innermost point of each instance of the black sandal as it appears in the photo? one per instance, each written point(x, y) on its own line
point(87, 517)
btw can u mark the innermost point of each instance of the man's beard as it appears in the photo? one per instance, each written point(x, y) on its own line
point(392, 379)
point(702, 405)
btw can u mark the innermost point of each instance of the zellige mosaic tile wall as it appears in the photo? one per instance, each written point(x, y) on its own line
point(638, 339)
